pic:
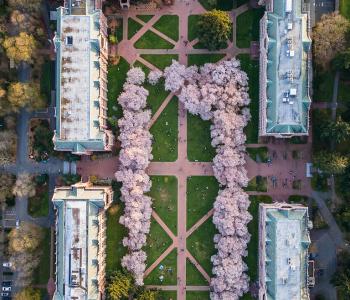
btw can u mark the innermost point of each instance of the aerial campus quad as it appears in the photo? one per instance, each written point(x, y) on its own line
point(186, 150)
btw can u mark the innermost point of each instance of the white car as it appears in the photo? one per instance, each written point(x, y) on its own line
point(17, 223)
point(6, 289)
point(6, 264)
point(5, 294)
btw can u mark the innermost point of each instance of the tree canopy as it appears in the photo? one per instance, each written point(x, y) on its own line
point(331, 162)
point(338, 131)
point(20, 47)
point(119, 285)
point(214, 29)
point(24, 95)
point(330, 38)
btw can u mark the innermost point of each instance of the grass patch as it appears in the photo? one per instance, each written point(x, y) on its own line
point(157, 242)
point(156, 96)
point(201, 59)
point(201, 194)
point(42, 273)
point(258, 184)
point(344, 8)
point(133, 27)
point(165, 133)
point(198, 139)
point(160, 61)
point(192, 26)
point(200, 244)
point(251, 67)
point(40, 139)
point(38, 205)
point(164, 195)
point(194, 295)
point(238, 3)
point(114, 235)
point(46, 80)
point(253, 228)
point(193, 276)
point(298, 199)
point(150, 40)
point(260, 154)
point(166, 272)
point(323, 85)
point(116, 78)
point(248, 27)
point(166, 295)
point(225, 5)
point(145, 18)
point(168, 25)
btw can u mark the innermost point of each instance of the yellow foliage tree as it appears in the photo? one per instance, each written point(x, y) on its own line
point(25, 5)
point(20, 47)
point(21, 94)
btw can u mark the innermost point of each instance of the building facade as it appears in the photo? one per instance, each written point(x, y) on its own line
point(285, 69)
point(80, 241)
point(283, 252)
point(81, 44)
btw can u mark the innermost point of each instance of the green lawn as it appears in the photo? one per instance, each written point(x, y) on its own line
point(46, 79)
point(166, 295)
point(167, 268)
point(164, 195)
point(344, 8)
point(323, 85)
point(219, 4)
point(133, 27)
point(238, 3)
point(38, 205)
point(251, 67)
point(260, 154)
point(200, 244)
point(193, 295)
point(248, 27)
point(114, 235)
point(168, 25)
point(198, 139)
point(42, 274)
point(258, 184)
point(157, 95)
point(157, 242)
point(201, 59)
point(150, 40)
point(116, 79)
point(160, 61)
point(41, 144)
point(145, 18)
point(253, 227)
point(298, 199)
point(192, 27)
point(193, 276)
point(201, 194)
point(165, 133)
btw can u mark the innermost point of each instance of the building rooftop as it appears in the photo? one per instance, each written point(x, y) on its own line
point(77, 240)
point(286, 235)
point(287, 80)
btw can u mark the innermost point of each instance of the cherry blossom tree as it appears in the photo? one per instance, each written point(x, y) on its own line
point(134, 157)
point(219, 93)
point(154, 76)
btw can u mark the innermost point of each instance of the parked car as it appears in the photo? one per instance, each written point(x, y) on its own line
point(6, 264)
point(6, 289)
point(17, 223)
point(5, 294)
point(7, 283)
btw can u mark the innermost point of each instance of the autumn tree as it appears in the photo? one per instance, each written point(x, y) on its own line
point(330, 38)
point(25, 95)
point(6, 183)
point(147, 295)
point(24, 186)
point(119, 285)
point(25, 5)
point(330, 162)
point(8, 146)
point(24, 249)
point(214, 29)
point(20, 47)
point(28, 293)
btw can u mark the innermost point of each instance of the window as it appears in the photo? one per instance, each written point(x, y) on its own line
point(69, 40)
